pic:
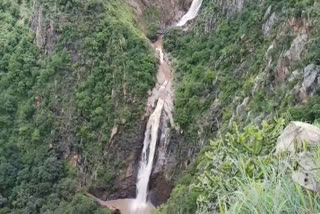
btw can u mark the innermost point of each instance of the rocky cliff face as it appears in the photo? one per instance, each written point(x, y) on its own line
point(296, 29)
point(169, 10)
point(230, 7)
point(122, 152)
point(44, 29)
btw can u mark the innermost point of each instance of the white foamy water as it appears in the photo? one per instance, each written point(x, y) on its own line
point(192, 13)
point(160, 103)
point(148, 153)
point(125, 206)
point(161, 54)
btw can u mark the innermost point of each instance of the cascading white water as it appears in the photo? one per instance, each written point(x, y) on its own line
point(161, 54)
point(162, 93)
point(148, 152)
point(192, 12)
point(161, 98)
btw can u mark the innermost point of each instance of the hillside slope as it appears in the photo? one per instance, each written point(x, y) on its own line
point(239, 64)
point(71, 72)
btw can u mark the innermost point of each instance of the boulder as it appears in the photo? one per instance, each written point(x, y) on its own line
point(307, 172)
point(295, 134)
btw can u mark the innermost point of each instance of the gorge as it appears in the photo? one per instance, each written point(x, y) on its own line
point(159, 106)
point(162, 95)
point(161, 103)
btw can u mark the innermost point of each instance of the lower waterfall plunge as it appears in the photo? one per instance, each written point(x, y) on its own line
point(148, 153)
point(161, 102)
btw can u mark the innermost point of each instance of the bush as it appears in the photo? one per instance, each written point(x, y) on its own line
point(309, 112)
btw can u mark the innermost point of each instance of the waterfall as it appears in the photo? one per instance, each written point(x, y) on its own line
point(162, 95)
point(148, 153)
point(161, 103)
point(192, 13)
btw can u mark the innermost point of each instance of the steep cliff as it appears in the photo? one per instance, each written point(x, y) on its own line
point(74, 80)
point(156, 16)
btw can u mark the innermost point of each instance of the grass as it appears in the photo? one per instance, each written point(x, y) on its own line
point(277, 194)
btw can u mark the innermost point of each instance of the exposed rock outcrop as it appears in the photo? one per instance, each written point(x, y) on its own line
point(269, 23)
point(295, 134)
point(301, 28)
point(169, 10)
point(44, 29)
point(307, 174)
point(125, 146)
point(229, 7)
point(243, 106)
point(311, 82)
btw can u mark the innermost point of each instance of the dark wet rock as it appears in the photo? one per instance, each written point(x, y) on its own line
point(160, 189)
point(126, 146)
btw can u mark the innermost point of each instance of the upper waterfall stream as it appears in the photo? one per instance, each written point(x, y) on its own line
point(192, 12)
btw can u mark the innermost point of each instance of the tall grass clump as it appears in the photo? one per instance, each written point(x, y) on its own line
point(277, 194)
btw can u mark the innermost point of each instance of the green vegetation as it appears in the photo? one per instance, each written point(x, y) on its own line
point(219, 64)
point(276, 195)
point(72, 70)
point(309, 112)
point(59, 101)
point(152, 18)
point(227, 62)
point(239, 173)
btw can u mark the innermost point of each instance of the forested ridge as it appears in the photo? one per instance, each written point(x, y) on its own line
point(89, 73)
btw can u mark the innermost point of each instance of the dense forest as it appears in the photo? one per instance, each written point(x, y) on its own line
point(75, 77)
point(63, 89)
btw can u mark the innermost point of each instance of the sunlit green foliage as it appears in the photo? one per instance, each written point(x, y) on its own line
point(239, 173)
